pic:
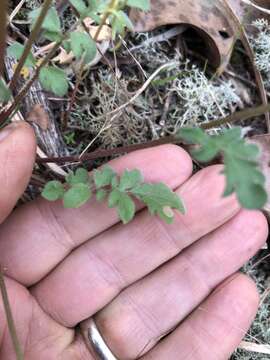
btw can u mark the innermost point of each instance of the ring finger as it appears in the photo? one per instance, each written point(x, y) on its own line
point(143, 313)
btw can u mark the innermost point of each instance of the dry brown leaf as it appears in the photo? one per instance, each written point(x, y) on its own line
point(105, 33)
point(64, 58)
point(209, 18)
point(39, 116)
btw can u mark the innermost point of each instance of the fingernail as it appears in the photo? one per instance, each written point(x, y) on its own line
point(7, 131)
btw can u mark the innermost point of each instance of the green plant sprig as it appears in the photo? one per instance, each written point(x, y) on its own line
point(119, 191)
point(241, 165)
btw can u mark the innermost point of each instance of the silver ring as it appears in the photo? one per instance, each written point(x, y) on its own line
point(95, 342)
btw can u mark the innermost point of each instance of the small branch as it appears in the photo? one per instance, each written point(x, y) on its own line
point(10, 320)
point(28, 47)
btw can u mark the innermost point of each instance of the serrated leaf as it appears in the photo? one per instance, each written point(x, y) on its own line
point(53, 191)
point(82, 45)
point(80, 176)
point(16, 50)
point(51, 22)
point(101, 195)
point(124, 204)
point(77, 196)
point(130, 179)
point(54, 79)
point(103, 177)
point(158, 197)
point(5, 93)
point(139, 4)
point(241, 166)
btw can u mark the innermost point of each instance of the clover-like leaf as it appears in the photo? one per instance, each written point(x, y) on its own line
point(16, 50)
point(54, 79)
point(103, 177)
point(80, 176)
point(53, 190)
point(82, 45)
point(77, 196)
point(130, 179)
point(159, 198)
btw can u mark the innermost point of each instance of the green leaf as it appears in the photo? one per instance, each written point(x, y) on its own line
point(52, 36)
point(114, 197)
point(140, 4)
point(241, 166)
point(53, 191)
point(101, 195)
point(16, 50)
point(54, 79)
point(79, 5)
point(77, 196)
point(51, 22)
point(5, 93)
point(126, 208)
point(83, 45)
point(158, 198)
point(103, 177)
point(80, 176)
point(130, 179)
point(124, 204)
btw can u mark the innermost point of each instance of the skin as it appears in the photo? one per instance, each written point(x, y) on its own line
point(141, 281)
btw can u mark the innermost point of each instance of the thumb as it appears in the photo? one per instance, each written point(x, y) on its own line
point(17, 155)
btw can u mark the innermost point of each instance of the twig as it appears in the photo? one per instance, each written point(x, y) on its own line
point(253, 347)
point(10, 320)
point(238, 116)
point(32, 38)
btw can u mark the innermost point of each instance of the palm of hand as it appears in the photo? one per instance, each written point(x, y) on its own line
point(141, 280)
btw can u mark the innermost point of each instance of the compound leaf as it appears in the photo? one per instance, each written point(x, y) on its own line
point(241, 166)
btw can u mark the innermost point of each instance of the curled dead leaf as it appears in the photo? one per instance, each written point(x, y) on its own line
point(209, 18)
point(39, 116)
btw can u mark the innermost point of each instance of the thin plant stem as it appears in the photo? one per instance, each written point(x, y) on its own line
point(10, 320)
point(238, 116)
point(3, 31)
point(32, 38)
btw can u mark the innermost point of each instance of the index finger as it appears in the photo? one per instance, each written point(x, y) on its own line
point(46, 232)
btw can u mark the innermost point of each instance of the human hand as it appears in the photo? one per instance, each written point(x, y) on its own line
point(141, 281)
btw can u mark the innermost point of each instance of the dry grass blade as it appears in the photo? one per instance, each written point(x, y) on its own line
point(253, 347)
